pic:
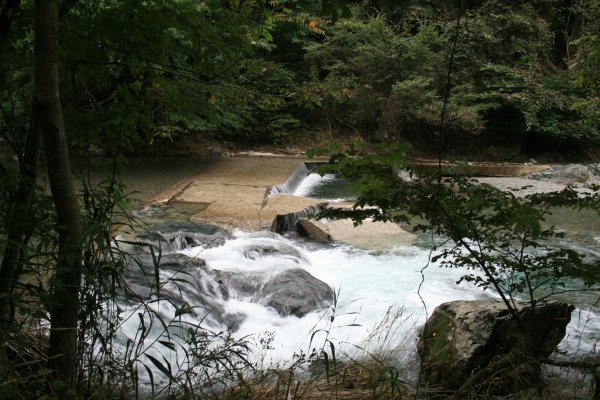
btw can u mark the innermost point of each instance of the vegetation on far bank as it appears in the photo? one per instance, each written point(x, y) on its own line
point(525, 74)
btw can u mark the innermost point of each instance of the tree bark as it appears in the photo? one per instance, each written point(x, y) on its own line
point(48, 121)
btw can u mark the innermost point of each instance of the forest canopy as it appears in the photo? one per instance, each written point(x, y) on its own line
point(525, 73)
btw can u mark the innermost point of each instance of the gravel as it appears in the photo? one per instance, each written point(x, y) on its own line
point(525, 186)
point(577, 176)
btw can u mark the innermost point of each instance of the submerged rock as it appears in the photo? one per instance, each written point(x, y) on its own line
point(178, 235)
point(463, 337)
point(290, 292)
point(259, 251)
point(183, 282)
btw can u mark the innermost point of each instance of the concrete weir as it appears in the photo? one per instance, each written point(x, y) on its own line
point(252, 193)
point(247, 193)
point(244, 192)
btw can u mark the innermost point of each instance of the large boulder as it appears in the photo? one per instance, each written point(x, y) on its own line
point(184, 283)
point(189, 281)
point(462, 338)
point(296, 292)
point(290, 292)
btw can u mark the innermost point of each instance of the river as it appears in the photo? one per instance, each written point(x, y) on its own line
point(382, 297)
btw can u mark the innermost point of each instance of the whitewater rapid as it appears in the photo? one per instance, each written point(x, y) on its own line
point(367, 284)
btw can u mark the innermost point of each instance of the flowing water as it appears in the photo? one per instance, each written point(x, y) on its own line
point(583, 235)
point(382, 297)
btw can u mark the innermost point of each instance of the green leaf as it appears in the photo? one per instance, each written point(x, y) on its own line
point(166, 370)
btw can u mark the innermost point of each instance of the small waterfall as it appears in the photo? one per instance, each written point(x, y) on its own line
point(287, 222)
point(290, 185)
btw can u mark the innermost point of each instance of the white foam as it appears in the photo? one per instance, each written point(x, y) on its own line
point(312, 181)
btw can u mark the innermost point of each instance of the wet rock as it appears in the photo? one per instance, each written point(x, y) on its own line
point(189, 282)
point(178, 261)
point(143, 270)
point(313, 230)
point(286, 211)
point(260, 251)
point(185, 283)
point(241, 285)
point(463, 337)
point(290, 292)
point(296, 292)
point(182, 240)
point(178, 235)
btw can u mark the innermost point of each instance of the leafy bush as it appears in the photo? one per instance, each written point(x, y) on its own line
point(498, 237)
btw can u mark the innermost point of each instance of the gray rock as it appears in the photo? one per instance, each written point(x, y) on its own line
point(259, 251)
point(194, 284)
point(291, 292)
point(178, 261)
point(177, 235)
point(296, 292)
point(241, 285)
point(572, 174)
point(462, 337)
point(184, 239)
point(185, 283)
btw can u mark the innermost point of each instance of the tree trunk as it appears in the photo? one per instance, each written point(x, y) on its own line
point(48, 120)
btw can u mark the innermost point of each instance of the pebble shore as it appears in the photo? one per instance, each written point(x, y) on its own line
point(525, 186)
point(576, 176)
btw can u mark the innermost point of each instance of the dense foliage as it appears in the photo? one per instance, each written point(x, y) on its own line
point(256, 72)
point(521, 71)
